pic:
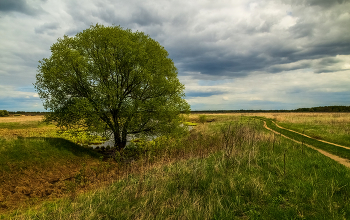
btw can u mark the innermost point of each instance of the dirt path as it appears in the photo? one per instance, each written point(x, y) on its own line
point(340, 160)
point(312, 137)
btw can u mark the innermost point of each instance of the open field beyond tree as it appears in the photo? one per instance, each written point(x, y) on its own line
point(228, 166)
point(334, 127)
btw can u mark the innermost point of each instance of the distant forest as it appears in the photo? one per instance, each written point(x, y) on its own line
point(25, 113)
point(312, 109)
point(339, 108)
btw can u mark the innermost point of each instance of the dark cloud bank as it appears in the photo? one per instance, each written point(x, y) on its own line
point(240, 48)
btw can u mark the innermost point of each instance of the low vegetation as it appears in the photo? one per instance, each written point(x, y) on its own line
point(339, 151)
point(230, 167)
point(202, 118)
point(4, 113)
point(333, 127)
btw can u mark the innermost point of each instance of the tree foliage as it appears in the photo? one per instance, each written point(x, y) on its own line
point(109, 78)
point(335, 108)
point(4, 113)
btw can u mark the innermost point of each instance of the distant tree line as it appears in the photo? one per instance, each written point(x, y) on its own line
point(312, 109)
point(26, 113)
point(236, 111)
point(339, 108)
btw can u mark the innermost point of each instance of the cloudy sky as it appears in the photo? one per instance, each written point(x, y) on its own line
point(241, 54)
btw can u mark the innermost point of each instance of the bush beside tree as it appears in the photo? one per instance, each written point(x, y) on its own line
point(4, 113)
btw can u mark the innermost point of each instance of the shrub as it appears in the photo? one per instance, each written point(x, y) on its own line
point(4, 113)
point(202, 118)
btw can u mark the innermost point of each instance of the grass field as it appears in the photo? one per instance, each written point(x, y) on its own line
point(230, 167)
point(334, 127)
point(335, 150)
point(20, 119)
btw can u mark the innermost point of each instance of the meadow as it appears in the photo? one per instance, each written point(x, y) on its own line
point(228, 166)
point(333, 127)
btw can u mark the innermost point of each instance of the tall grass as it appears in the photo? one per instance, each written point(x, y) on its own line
point(225, 170)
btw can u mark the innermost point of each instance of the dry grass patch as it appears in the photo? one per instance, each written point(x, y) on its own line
point(21, 119)
point(47, 131)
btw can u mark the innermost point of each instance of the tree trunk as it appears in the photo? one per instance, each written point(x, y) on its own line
point(124, 139)
point(119, 143)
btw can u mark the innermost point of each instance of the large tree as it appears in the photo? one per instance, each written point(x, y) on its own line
point(112, 79)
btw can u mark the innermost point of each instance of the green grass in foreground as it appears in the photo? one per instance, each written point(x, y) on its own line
point(246, 180)
point(339, 151)
point(23, 153)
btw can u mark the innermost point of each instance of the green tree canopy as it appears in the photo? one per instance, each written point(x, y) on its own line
point(109, 78)
point(4, 113)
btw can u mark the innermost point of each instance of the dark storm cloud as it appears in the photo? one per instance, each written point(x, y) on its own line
point(246, 46)
point(227, 66)
point(306, 41)
point(138, 17)
point(254, 28)
point(302, 29)
point(142, 14)
point(191, 94)
point(277, 69)
point(18, 6)
point(321, 3)
point(144, 17)
point(47, 28)
point(326, 65)
point(323, 50)
point(10, 5)
point(326, 3)
point(231, 64)
point(131, 15)
point(314, 36)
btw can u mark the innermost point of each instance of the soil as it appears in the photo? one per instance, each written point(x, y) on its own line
point(340, 160)
point(26, 188)
point(23, 188)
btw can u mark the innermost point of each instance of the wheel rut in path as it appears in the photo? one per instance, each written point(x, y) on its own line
point(340, 160)
point(311, 137)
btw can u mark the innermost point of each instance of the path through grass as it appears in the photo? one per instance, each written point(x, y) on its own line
point(339, 151)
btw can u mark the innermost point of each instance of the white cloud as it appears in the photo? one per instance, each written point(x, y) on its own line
point(12, 92)
point(308, 88)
